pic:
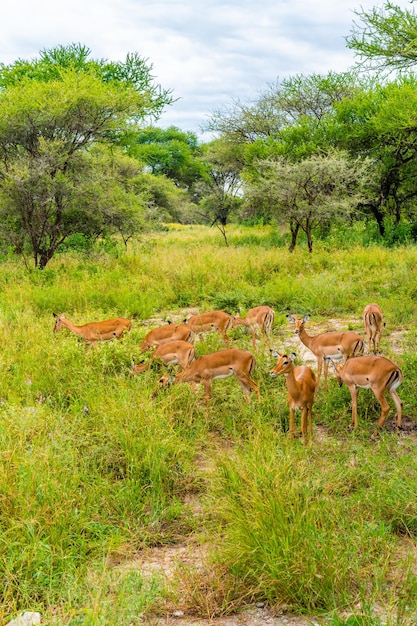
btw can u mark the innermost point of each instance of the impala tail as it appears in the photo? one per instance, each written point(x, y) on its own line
point(394, 380)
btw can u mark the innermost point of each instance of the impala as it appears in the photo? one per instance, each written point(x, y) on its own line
point(94, 331)
point(212, 320)
point(163, 334)
point(220, 364)
point(260, 317)
point(376, 373)
point(373, 322)
point(335, 345)
point(170, 353)
point(301, 384)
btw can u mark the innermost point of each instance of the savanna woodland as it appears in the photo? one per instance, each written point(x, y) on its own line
point(305, 202)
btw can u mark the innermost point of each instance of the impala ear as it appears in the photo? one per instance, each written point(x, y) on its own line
point(290, 318)
point(55, 315)
point(306, 318)
point(275, 354)
point(293, 356)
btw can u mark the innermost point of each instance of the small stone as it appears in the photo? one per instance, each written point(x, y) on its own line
point(28, 618)
point(178, 614)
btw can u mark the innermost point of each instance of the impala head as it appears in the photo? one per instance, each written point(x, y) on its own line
point(137, 368)
point(299, 322)
point(284, 364)
point(58, 321)
point(165, 381)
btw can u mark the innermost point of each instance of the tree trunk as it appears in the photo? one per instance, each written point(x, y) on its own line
point(294, 227)
point(222, 229)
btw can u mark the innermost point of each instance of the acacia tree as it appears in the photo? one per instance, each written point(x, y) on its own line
point(380, 123)
point(385, 38)
point(218, 194)
point(53, 115)
point(310, 192)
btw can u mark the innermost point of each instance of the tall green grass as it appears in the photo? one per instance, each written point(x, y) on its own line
point(94, 468)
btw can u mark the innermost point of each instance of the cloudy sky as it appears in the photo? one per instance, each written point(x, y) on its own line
point(210, 53)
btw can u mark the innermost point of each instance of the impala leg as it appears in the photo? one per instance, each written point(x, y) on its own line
point(394, 395)
point(326, 372)
point(319, 367)
point(368, 335)
point(377, 342)
point(292, 423)
point(379, 395)
point(354, 396)
point(310, 416)
point(304, 413)
point(207, 389)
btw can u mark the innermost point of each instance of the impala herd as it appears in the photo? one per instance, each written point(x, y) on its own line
point(173, 345)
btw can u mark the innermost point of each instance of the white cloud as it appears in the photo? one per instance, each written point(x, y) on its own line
point(209, 53)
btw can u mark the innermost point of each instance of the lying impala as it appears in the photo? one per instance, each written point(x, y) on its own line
point(376, 373)
point(220, 364)
point(212, 320)
point(163, 334)
point(94, 331)
point(373, 322)
point(301, 384)
point(335, 345)
point(260, 317)
point(170, 353)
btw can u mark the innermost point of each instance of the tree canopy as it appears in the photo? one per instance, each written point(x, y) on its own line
point(58, 173)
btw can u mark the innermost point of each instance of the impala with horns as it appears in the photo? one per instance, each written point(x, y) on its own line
point(373, 322)
point(211, 320)
point(334, 345)
point(301, 384)
point(165, 333)
point(260, 317)
point(94, 331)
point(376, 373)
point(222, 364)
point(170, 353)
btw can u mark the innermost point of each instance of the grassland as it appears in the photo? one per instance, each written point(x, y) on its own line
point(94, 470)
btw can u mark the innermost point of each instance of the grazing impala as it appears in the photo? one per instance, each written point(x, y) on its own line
point(301, 385)
point(163, 334)
point(94, 331)
point(170, 353)
point(212, 320)
point(376, 373)
point(220, 364)
point(261, 317)
point(373, 322)
point(335, 345)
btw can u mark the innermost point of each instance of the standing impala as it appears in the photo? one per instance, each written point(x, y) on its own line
point(170, 353)
point(376, 373)
point(373, 322)
point(220, 364)
point(212, 320)
point(165, 333)
point(94, 331)
point(260, 317)
point(335, 345)
point(301, 384)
